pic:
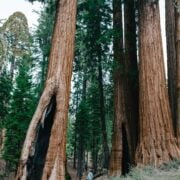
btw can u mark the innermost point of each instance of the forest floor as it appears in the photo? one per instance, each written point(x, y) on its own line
point(73, 172)
point(169, 171)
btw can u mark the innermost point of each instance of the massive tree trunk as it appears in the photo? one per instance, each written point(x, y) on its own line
point(43, 153)
point(157, 143)
point(178, 69)
point(115, 167)
point(131, 70)
point(126, 90)
point(171, 58)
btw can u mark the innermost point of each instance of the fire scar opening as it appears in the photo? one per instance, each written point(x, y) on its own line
point(35, 163)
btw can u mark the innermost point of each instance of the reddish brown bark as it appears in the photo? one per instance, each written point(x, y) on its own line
point(53, 104)
point(115, 167)
point(126, 90)
point(157, 143)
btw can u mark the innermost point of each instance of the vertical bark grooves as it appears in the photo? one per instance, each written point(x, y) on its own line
point(115, 167)
point(157, 143)
point(58, 86)
point(178, 70)
point(126, 90)
point(171, 58)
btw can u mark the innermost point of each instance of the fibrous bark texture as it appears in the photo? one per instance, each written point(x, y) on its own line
point(178, 69)
point(126, 90)
point(46, 135)
point(115, 167)
point(157, 143)
point(171, 58)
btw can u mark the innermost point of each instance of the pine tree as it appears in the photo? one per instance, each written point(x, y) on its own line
point(19, 114)
point(5, 94)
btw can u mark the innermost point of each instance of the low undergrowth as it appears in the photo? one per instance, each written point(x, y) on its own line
point(167, 171)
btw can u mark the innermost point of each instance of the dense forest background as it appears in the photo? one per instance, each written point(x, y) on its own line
point(123, 111)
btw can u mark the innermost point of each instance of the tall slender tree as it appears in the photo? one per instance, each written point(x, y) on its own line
point(120, 117)
point(131, 72)
point(44, 146)
point(17, 119)
point(157, 143)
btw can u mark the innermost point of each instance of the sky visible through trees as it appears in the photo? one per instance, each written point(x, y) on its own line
point(88, 86)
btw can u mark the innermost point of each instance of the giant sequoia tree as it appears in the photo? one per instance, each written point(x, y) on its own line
point(125, 90)
point(157, 143)
point(43, 153)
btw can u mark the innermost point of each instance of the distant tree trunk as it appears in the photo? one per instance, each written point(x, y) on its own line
point(101, 93)
point(75, 152)
point(80, 159)
point(178, 70)
point(75, 129)
point(157, 143)
point(12, 68)
point(115, 167)
point(43, 153)
point(102, 111)
point(131, 70)
point(171, 58)
point(81, 140)
point(94, 154)
point(43, 71)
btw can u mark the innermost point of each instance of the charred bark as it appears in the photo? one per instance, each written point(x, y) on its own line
point(178, 70)
point(171, 58)
point(131, 72)
point(157, 143)
point(35, 164)
point(126, 89)
point(57, 87)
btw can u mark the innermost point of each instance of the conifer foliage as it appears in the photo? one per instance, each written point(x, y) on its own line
point(114, 113)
